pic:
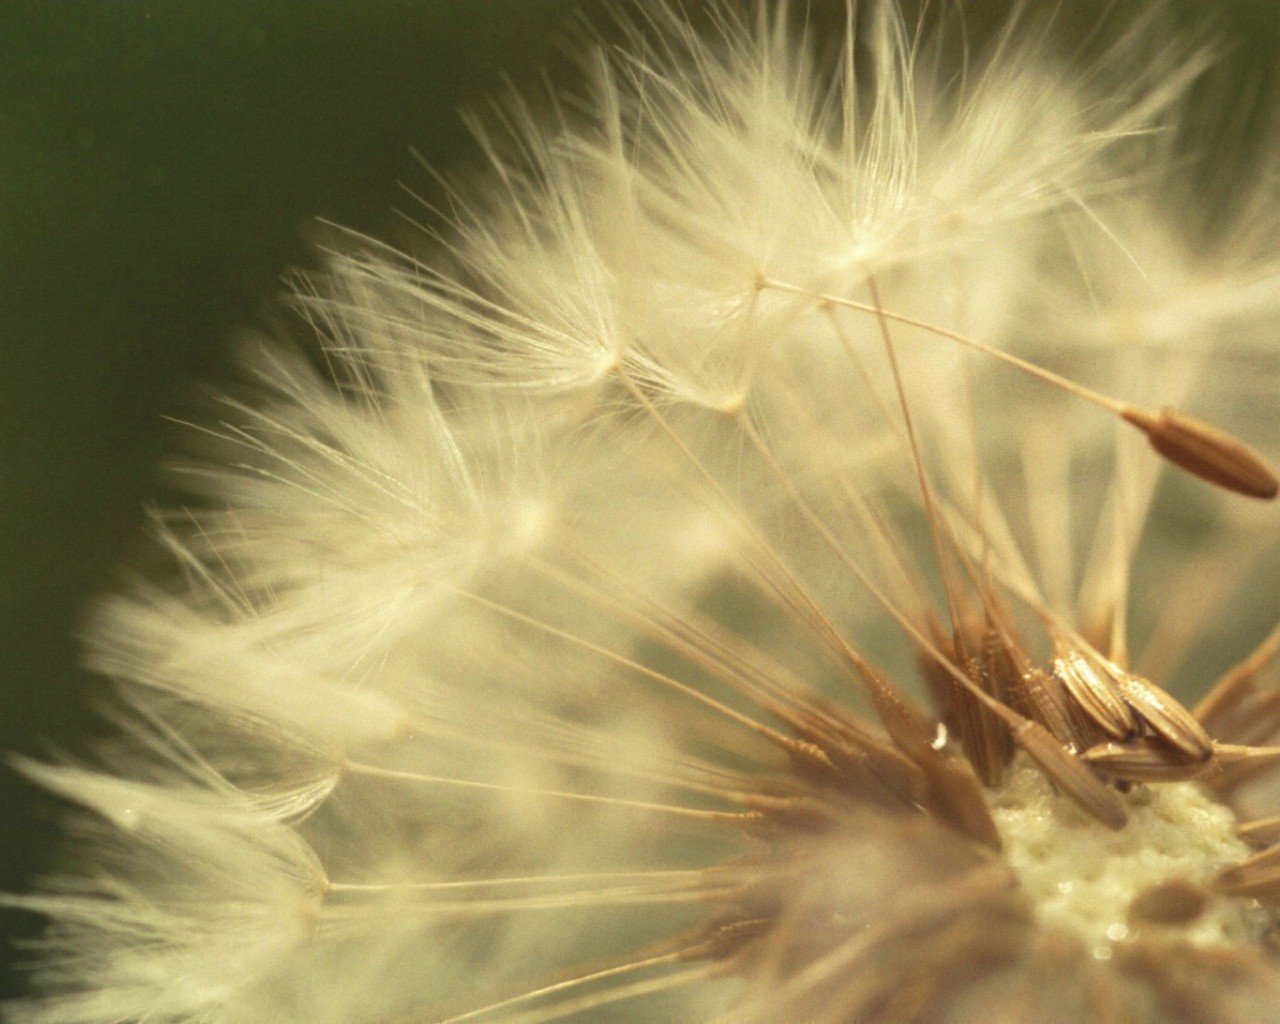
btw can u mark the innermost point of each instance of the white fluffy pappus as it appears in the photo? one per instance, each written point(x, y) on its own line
point(671, 597)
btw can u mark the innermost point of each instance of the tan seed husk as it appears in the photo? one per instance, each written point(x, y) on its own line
point(983, 735)
point(1044, 699)
point(1260, 831)
point(957, 796)
point(1236, 764)
point(1166, 717)
point(1206, 451)
point(1096, 694)
point(1261, 872)
point(1071, 775)
point(1144, 760)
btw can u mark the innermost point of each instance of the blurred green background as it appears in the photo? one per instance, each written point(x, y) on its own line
point(161, 165)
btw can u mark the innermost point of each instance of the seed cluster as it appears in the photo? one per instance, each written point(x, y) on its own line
point(1092, 832)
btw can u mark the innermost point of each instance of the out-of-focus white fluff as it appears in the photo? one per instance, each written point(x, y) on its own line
point(195, 893)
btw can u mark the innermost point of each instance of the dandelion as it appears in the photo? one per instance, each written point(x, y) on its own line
point(742, 574)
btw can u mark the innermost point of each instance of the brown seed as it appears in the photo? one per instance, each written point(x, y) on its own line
point(1043, 697)
point(1071, 775)
point(779, 813)
point(1003, 660)
point(942, 686)
point(999, 673)
point(1097, 695)
point(1173, 902)
point(954, 957)
point(1144, 760)
point(1236, 764)
point(1260, 832)
point(1105, 1003)
point(985, 738)
point(957, 796)
point(1166, 717)
point(905, 722)
point(1265, 858)
point(810, 759)
point(1232, 755)
point(1206, 451)
point(1261, 886)
point(1257, 877)
point(1189, 980)
point(894, 772)
point(1255, 721)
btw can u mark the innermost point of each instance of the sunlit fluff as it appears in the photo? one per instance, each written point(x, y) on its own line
point(552, 640)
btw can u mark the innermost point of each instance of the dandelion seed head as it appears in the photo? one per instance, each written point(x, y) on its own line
point(739, 571)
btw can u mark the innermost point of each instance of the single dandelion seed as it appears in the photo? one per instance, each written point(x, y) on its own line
point(697, 587)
